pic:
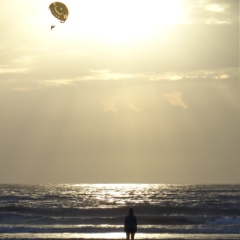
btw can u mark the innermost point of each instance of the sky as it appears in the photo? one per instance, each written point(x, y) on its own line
point(125, 91)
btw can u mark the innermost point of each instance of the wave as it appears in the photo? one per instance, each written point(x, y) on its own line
point(117, 222)
point(146, 212)
point(225, 221)
point(58, 228)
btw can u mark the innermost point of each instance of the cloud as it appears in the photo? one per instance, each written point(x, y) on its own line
point(175, 99)
point(109, 75)
point(58, 82)
point(216, 7)
point(31, 81)
point(104, 75)
point(211, 13)
point(110, 105)
point(222, 76)
point(226, 73)
point(5, 70)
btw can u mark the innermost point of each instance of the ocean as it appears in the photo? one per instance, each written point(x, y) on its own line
point(96, 211)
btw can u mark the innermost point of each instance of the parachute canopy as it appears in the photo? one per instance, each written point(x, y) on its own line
point(59, 10)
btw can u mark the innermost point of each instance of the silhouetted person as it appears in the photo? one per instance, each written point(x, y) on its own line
point(130, 224)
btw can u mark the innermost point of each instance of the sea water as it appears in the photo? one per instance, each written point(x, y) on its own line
point(71, 211)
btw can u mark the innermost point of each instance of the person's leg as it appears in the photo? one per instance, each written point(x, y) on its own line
point(132, 235)
point(127, 235)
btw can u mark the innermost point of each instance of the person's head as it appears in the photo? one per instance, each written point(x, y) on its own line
point(130, 211)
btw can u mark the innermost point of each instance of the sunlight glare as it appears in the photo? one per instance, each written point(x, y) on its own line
point(121, 21)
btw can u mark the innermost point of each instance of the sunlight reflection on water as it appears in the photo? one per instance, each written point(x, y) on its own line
point(29, 236)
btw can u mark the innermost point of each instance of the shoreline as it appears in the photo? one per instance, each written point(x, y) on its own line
point(169, 238)
point(161, 236)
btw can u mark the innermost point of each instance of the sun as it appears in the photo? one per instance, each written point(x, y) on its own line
point(118, 21)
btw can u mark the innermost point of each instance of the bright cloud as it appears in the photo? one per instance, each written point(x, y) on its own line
point(218, 8)
point(175, 99)
point(4, 70)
